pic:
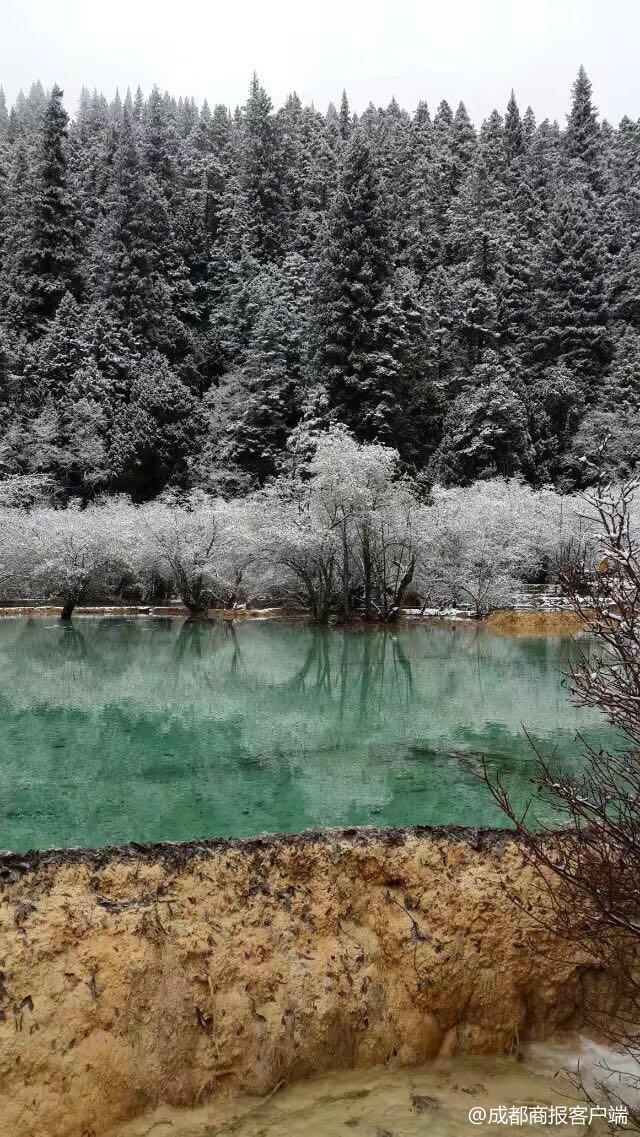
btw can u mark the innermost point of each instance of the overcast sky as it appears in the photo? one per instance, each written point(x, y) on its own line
point(474, 50)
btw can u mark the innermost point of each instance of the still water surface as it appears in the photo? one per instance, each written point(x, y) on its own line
point(144, 729)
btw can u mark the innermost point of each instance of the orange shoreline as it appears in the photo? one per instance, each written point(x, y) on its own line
point(507, 622)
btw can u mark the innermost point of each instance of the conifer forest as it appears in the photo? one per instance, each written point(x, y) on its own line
point(189, 295)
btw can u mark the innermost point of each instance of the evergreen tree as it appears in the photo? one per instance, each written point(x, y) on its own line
point(528, 127)
point(155, 433)
point(92, 146)
point(571, 295)
point(486, 430)
point(421, 241)
point(113, 349)
point(621, 216)
point(10, 386)
point(540, 180)
point(58, 354)
point(463, 146)
point(441, 310)
point(14, 238)
point(69, 398)
point(420, 403)
point(4, 115)
point(514, 135)
point(443, 170)
point(274, 272)
point(478, 217)
point(44, 262)
point(344, 118)
point(255, 409)
point(475, 321)
point(159, 141)
point(581, 143)
point(261, 177)
point(557, 404)
point(149, 284)
point(354, 336)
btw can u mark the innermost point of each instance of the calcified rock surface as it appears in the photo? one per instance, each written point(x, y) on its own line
point(136, 976)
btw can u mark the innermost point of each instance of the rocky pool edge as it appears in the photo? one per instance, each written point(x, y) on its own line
point(176, 854)
point(134, 976)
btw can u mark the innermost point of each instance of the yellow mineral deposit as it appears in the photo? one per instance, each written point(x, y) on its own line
point(209, 976)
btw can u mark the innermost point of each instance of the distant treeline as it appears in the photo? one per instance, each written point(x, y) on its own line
point(189, 295)
point(349, 535)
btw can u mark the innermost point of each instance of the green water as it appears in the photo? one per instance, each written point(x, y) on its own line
point(114, 730)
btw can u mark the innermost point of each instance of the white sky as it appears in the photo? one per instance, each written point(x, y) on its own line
point(474, 50)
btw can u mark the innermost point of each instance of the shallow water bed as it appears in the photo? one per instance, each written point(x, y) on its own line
point(114, 730)
point(436, 1099)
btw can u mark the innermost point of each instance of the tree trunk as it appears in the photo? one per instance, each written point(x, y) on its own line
point(67, 609)
point(196, 612)
point(346, 584)
point(195, 599)
point(396, 607)
point(366, 562)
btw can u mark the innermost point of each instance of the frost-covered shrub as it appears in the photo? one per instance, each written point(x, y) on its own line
point(203, 545)
point(67, 555)
point(342, 535)
point(491, 537)
point(348, 533)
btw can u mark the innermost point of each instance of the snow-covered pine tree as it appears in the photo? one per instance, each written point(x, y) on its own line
point(159, 141)
point(582, 145)
point(486, 430)
point(572, 317)
point(169, 227)
point(257, 405)
point(43, 264)
point(260, 178)
point(155, 433)
point(149, 286)
point(354, 338)
point(344, 118)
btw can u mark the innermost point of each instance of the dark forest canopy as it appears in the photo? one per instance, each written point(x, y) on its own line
point(188, 294)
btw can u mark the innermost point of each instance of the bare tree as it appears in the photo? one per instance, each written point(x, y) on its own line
point(588, 863)
point(202, 544)
point(67, 554)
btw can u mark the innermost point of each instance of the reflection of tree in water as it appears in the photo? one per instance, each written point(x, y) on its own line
point(385, 669)
point(202, 641)
point(115, 643)
point(236, 658)
point(72, 643)
point(194, 728)
point(341, 667)
point(433, 685)
point(68, 643)
point(190, 639)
